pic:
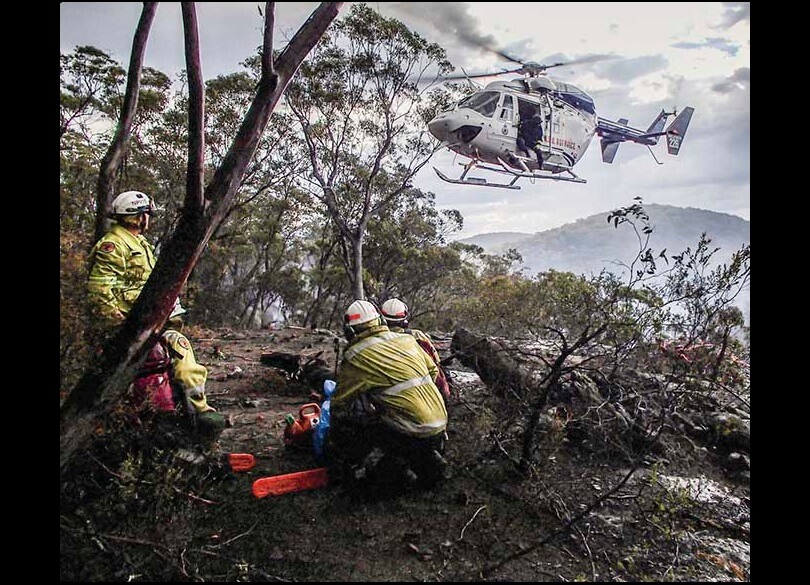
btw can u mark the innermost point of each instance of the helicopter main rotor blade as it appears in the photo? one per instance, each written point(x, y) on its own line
point(581, 61)
point(503, 55)
point(479, 75)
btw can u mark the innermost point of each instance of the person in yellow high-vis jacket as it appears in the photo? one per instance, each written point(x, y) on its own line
point(386, 397)
point(120, 264)
point(396, 315)
point(122, 260)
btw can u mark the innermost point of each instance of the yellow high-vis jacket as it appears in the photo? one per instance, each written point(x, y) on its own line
point(397, 376)
point(121, 262)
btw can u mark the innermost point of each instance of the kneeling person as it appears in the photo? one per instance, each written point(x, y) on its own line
point(386, 398)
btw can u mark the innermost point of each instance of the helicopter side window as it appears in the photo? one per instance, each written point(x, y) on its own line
point(484, 102)
point(508, 108)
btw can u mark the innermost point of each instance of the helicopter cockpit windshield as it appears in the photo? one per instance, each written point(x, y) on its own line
point(483, 102)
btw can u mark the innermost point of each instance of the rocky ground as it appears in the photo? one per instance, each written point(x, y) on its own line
point(169, 513)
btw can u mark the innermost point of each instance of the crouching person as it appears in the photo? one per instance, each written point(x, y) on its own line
point(388, 418)
point(171, 379)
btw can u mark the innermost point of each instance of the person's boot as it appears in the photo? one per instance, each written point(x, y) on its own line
point(434, 470)
point(210, 424)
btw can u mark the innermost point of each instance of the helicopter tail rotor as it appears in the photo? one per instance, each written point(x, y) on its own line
point(676, 131)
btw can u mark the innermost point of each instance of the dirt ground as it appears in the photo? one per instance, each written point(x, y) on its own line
point(179, 515)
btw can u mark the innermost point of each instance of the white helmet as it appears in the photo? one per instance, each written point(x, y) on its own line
point(360, 312)
point(132, 203)
point(177, 310)
point(394, 310)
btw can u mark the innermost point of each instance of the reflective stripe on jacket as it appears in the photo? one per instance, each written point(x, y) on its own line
point(121, 262)
point(397, 376)
point(426, 343)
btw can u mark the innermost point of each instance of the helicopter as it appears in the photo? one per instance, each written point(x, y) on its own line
point(484, 126)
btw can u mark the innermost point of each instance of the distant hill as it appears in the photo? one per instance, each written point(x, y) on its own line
point(494, 240)
point(589, 245)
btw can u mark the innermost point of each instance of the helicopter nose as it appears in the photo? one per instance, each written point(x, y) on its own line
point(438, 127)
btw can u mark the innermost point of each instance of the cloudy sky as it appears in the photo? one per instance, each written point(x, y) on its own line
point(667, 55)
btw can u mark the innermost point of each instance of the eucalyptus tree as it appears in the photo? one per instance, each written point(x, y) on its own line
point(363, 119)
point(204, 209)
point(407, 252)
point(252, 268)
point(92, 89)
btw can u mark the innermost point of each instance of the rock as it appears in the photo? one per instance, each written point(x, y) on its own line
point(738, 462)
point(729, 431)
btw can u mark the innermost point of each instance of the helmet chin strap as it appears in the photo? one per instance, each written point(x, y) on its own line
point(143, 222)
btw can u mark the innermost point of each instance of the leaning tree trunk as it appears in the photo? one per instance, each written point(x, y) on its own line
point(104, 384)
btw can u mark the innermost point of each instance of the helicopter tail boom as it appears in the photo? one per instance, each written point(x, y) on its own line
point(614, 133)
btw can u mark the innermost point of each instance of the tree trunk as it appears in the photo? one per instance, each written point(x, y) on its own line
point(111, 162)
point(491, 360)
point(102, 386)
point(357, 259)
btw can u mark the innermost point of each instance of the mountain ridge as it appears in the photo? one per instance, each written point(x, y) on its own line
point(592, 244)
point(674, 228)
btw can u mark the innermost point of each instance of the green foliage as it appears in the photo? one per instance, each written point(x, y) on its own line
point(76, 344)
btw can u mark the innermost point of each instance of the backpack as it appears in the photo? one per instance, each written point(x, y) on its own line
point(152, 387)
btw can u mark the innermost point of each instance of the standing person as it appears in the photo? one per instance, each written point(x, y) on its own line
point(386, 399)
point(395, 312)
point(120, 264)
point(530, 136)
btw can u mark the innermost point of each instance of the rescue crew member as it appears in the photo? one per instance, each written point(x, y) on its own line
point(386, 398)
point(530, 136)
point(120, 264)
point(395, 312)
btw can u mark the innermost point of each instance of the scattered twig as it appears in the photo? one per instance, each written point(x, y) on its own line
point(183, 563)
point(250, 567)
point(570, 554)
point(107, 469)
point(470, 521)
point(193, 496)
point(238, 536)
point(588, 549)
point(675, 560)
point(153, 545)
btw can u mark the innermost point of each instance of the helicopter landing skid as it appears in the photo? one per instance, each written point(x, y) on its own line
point(476, 181)
point(548, 166)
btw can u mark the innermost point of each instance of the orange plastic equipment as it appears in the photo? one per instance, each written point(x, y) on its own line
point(290, 482)
point(309, 415)
point(298, 432)
point(241, 461)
